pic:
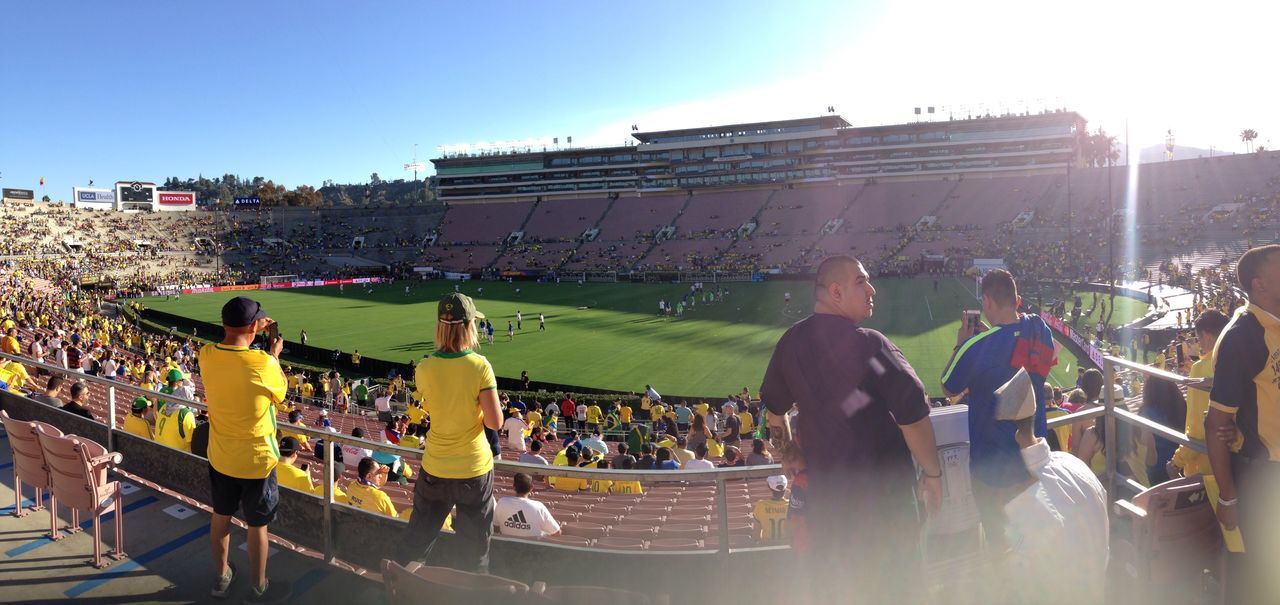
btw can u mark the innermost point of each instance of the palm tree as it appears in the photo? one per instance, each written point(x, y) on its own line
point(1248, 135)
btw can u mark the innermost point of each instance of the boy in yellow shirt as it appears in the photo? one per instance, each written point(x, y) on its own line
point(291, 476)
point(771, 513)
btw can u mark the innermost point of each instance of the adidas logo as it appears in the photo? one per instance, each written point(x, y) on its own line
point(517, 521)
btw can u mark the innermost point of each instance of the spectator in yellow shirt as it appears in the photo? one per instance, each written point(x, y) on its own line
point(175, 424)
point(291, 476)
point(135, 423)
point(770, 514)
point(365, 493)
point(9, 344)
point(295, 418)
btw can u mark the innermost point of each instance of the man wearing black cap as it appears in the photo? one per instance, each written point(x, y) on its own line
point(243, 386)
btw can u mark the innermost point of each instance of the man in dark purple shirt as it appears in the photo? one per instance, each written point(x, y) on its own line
point(862, 415)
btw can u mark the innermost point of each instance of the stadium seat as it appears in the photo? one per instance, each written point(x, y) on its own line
point(594, 531)
point(31, 468)
point(417, 583)
point(620, 543)
point(688, 519)
point(78, 473)
point(645, 532)
point(682, 530)
point(1172, 536)
point(644, 519)
point(675, 544)
point(735, 541)
point(564, 540)
point(597, 517)
point(612, 508)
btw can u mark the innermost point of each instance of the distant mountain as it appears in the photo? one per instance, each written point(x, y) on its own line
point(1155, 153)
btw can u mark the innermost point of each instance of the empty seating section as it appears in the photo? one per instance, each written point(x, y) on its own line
point(712, 213)
point(892, 204)
point(632, 217)
point(483, 223)
point(804, 211)
point(563, 220)
point(992, 201)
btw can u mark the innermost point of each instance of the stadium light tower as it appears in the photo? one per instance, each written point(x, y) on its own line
point(1168, 145)
point(415, 166)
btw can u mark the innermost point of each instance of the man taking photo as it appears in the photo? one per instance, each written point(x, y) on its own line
point(243, 386)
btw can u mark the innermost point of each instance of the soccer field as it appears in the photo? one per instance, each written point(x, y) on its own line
point(610, 335)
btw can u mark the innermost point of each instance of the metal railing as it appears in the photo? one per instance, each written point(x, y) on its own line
point(720, 476)
point(1113, 412)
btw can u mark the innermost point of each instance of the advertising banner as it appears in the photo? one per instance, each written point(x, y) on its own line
point(252, 202)
point(176, 200)
point(94, 199)
point(284, 285)
point(18, 194)
point(1065, 329)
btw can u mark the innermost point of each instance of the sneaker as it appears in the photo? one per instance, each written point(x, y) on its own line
point(222, 586)
point(276, 592)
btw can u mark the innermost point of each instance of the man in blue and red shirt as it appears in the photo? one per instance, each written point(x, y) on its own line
point(985, 359)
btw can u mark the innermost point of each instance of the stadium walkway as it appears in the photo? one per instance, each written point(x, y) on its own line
point(169, 560)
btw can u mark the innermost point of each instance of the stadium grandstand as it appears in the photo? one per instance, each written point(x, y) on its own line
point(745, 202)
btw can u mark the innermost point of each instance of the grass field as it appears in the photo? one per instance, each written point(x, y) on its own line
point(609, 335)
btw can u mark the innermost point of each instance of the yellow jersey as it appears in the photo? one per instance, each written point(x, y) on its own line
point(656, 412)
point(571, 484)
point(451, 384)
point(137, 425)
point(534, 419)
point(301, 437)
point(625, 487)
point(624, 414)
point(411, 441)
point(242, 387)
point(1185, 458)
point(601, 486)
point(288, 475)
point(415, 414)
point(593, 414)
point(370, 498)
point(771, 518)
point(174, 427)
point(14, 374)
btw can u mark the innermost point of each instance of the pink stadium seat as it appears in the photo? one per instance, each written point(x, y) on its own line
point(611, 508)
point(596, 517)
point(568, 540)
point(620, 543)
point(417, 583)
point(31, 468)
point(644, 518)
point(593, 531)
point(712, 541)
point(675, 544)
point(644, 532)
point(78, 469)
point(1172, 536)
point(688, 518)
point(682, 530)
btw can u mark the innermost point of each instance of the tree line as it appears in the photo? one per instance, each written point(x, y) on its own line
point(377, 192)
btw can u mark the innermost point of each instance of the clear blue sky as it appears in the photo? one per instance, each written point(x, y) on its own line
point(301, 92)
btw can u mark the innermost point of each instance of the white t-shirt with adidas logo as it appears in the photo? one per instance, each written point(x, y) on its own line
point(524, 518)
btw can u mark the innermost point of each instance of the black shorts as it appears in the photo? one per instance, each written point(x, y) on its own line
point(257, 497)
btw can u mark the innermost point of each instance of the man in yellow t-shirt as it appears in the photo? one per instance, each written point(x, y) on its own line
point(656, 412)
point(571, 484)
point(364, 493)
point(175, 424)
point(293, 382)
point(306, 390)
point(534, 418)
point(242, 387)
point(624, 417)
point(295, 419)
point(9, 344)
point(1186, 461)
point(355, 358)
point(771, 513)
point(136, 423)
point(14, 374)
point(291, 476)
point(415, 412)
point(593, 417)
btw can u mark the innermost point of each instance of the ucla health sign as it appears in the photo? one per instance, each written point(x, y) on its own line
point(94, 199)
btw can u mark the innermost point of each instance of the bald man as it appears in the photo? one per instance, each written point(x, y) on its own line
point(862, 415)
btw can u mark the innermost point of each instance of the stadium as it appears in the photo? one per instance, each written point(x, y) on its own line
point(686, 389)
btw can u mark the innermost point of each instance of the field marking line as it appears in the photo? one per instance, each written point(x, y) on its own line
point(928, 307)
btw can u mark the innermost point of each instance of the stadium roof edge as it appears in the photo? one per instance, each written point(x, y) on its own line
point(827, 121)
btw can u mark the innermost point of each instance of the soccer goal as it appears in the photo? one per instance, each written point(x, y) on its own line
point(600, 276)
point(275, 279)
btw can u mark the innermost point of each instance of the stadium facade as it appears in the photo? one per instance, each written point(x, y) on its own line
point(809, 150)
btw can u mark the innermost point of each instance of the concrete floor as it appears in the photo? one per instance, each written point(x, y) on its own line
point(169, 559)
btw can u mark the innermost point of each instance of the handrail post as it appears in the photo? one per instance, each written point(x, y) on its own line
point(1109, 421)
point(327, 522)
point(111, 418)
point(722, 509)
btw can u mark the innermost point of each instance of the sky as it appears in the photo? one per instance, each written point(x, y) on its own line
point(303, 92)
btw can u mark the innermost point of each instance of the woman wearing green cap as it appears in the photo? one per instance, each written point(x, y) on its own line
point(459, 392)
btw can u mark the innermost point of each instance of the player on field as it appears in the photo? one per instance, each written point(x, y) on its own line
point(542, 323)
point(511, 331)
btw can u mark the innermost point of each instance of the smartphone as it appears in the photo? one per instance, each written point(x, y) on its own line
point(273, 331)
point(972, 319)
